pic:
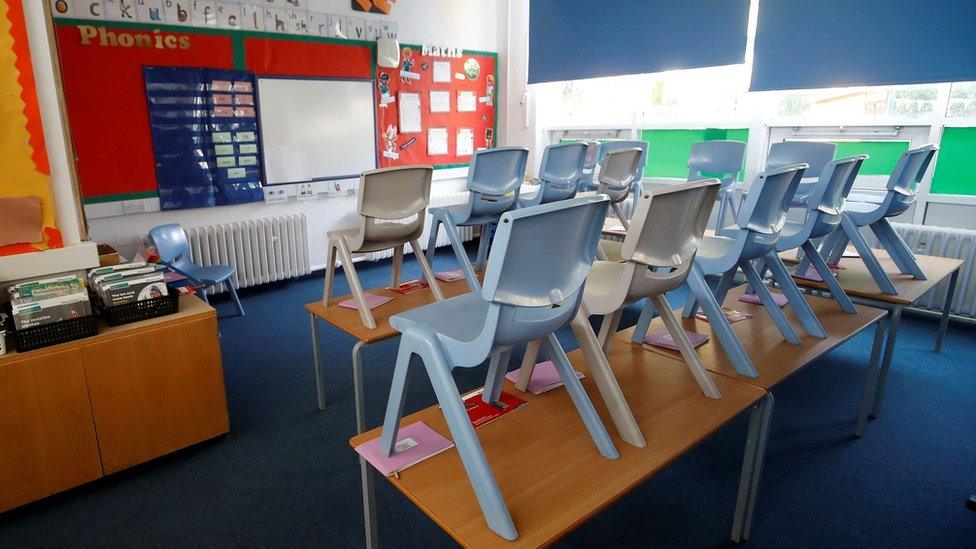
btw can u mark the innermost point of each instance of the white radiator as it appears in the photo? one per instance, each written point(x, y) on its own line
point(450, 199)
point(262, 250)
point(945, 242)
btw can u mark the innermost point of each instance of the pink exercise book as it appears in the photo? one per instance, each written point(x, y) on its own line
point(544, 378)
point(662, 338)
point(731, 315)
point(372, 301)
point(449, 276)
point(415, 443)
point(780, 299)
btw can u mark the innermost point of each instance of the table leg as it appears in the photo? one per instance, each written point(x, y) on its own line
point(871, 382)
point(946, 309)
point(752, 461)
point(893, 324)
point(357, 381)
point(319, 380)
point(369, 504)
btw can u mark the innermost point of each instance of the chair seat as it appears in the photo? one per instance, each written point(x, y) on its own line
point(211, 273)
point(869, 198)
point(460, 318)
point(862, 213)
point(456, 213)
point(793, 235)
point(613, 249)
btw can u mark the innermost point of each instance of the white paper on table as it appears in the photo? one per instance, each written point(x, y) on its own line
point(467, 101)
point(465, 142)
point(409, 112)
point(440, 101)
point(442, 71)
point(437, 141)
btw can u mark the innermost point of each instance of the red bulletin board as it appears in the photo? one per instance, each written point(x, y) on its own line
point(411, 148)
point(277, 57)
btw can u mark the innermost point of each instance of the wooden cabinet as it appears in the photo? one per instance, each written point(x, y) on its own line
point(73, 412)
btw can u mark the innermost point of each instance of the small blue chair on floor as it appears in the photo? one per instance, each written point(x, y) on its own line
point(815, 154)
point(174, 251)
point(723, 161)
point(902, 189)
point(494, 179)
point(530, 291)
point(588, 175)
point(637, 185)
point(823, 206)
point(760, 220)
point(559, 173)
point(619, 175)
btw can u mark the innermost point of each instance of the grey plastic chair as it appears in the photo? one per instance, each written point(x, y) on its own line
point(722, 160)
point(559, 173)
point(619, 169)
point(657, 252)
point(392, 210)
point(530, 291)
point(757, 229)
point(494, 179)
point(822, 212)
point(902, 189)
point(815, 154)
point(588, 175)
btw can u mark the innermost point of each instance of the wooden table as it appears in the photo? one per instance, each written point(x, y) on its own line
point(348, 321)
point(859, 284)
point(776, 359)
point(80, 410)
point(549, 472)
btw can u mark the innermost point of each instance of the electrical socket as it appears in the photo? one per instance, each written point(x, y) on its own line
point(133, 206)
point(306, 191)
point(275, 195)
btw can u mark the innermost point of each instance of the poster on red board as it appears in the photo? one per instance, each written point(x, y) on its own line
point(436, 107)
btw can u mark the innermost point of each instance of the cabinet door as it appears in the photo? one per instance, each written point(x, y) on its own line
point(47, 438)
point(156, 391)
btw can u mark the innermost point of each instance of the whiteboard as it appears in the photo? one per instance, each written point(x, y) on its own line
point(313, 130)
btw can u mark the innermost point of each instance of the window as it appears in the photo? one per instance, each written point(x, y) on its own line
point(668, 150)
point(962, 100)
point(859, 104)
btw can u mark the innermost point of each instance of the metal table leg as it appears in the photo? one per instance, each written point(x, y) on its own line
point(369, 504)
point(752, 462)
point(357, 380)
point(946, 308)
point(893, 324)
point(871, 381)
point(319, 381)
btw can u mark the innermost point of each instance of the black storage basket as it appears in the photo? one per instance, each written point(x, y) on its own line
point(135, 311)
point(28, 339)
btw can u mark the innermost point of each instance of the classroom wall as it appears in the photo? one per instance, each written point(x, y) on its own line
point(468, 25)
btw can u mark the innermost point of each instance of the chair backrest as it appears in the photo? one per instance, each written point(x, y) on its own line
point(393, 201)
point(835, 183)
point(589, 165)
point(668, 224)
point(171, 244)
point(719, 159)
point(562, 165)
point(765, 207)
point(908, 173)
point(540, 256)
point(815, 154)
point(610, 146)
point(618, 171)
point(494, 179)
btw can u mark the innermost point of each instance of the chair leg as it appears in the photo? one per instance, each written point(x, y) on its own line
point(811, 254)
point(896, 247)
point(233, 295)
point(691, 306)
point(425, 268)
point(779, 318)
point(705, 381)
point(648, 312)
point(608, 328)
point(397, 266)
point(720, 325)
point(394, 404)
point(620, 216)
point(613, 396)
point(202, 293)
point(529, 360)
point(330, 258)
point(808, 319)
point(484, 242)
point(435, 225)
point(599, 434)
point(833, 246)
point(720, 220)
point(881, 278)
point(357, 289)
point(725, 283)
point(497, 368)
point(462, 255)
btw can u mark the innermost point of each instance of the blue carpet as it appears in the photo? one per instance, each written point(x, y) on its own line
point(286, 476)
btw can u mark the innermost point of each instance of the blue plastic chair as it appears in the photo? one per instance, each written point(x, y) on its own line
point(174, 251)
point(758, 225)
point(559, 173)
point(902, 189)
point(619, 174)
point(637, 186)
point(494, 179)
point(815, 154)
point(587, 176)
point(530, 291)
point(823, 208)
point(722, 160)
